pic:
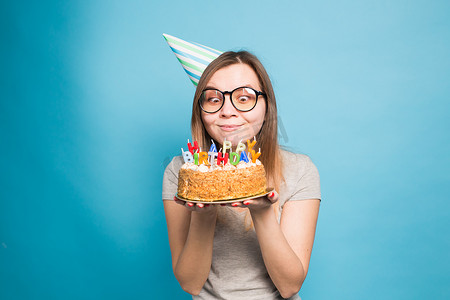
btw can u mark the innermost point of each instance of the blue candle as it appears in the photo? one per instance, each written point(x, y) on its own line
point(244, 157)
point(213, 147)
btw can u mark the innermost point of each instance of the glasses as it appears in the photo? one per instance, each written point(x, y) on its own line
point(242, 98)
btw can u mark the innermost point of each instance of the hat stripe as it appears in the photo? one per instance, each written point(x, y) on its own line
point(192, 74)
point(193, 71)
point(191, 56)
point(192, 63)
point(194, 81)
point(189, 46)
point(184, 62)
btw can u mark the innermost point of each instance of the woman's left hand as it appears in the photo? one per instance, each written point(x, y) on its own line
point(259, 203)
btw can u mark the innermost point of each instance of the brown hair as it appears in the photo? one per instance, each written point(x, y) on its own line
point(267, 138)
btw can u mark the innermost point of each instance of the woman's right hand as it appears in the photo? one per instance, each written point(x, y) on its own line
point(197, 207)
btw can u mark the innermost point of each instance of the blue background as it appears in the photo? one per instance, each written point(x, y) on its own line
point(94, 104)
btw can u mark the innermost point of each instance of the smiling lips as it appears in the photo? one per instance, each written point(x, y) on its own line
point(229, 127)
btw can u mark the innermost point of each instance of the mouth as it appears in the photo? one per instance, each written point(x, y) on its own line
point(229, 127)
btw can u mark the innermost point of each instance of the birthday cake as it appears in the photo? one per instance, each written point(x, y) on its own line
point(215, 176)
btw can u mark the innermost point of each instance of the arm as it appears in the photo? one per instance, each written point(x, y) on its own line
point(286, 247)
point(191, 235)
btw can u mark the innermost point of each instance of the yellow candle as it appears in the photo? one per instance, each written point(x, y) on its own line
point(240, 147)
point(226, 145)
point(203, 158)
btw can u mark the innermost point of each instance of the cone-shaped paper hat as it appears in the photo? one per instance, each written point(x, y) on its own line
point(193, 57)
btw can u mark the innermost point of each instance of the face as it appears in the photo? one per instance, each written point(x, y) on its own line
point(228, 122)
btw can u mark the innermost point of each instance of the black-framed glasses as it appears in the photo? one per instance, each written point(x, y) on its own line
point(243, 99)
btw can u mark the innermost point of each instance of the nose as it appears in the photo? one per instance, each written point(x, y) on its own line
point(228, 110)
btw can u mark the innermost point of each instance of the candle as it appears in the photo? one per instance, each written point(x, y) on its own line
point(226, 145)
point(187, 156)
point(252, 152)
point(212, 154)
point(196, 158)
point(255, 155)
point(240, 147)
point(212, 158)
point(192, 148)
point(244, 157)
point(250, 145)
point(213, 147)
point(202, 158)
point(222, 158)
point(234, 158)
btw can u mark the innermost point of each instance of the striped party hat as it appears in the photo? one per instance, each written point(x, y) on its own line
point(193, 57)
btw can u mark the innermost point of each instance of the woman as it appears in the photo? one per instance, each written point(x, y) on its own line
point(215, 254)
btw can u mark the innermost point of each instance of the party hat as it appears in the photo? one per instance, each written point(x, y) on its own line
point(194, 57)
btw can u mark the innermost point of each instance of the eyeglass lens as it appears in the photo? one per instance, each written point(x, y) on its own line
point(243, 99)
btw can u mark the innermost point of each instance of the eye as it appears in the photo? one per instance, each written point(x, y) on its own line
point(243, 99)
point(214, 100)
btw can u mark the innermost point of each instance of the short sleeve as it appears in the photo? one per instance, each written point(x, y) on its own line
point(170, 179)
point(308, 183)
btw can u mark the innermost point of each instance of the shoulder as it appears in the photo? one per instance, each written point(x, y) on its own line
point(171, 171)
point(175, 164)
point(295, 164)
point(301, 178)
point(170, 179)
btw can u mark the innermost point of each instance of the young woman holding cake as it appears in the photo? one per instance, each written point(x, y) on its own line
point(216, 252)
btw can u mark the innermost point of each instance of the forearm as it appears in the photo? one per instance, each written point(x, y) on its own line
point(194, 263)
point(283, 265)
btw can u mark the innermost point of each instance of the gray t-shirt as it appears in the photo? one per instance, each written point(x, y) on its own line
point(237, 268)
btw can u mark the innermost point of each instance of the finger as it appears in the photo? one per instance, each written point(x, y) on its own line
point(247, 202)
point(236, 204)
point(181, 202)
point(200, 205)
point(273, 196)
point(190, 204)
point(178, 201)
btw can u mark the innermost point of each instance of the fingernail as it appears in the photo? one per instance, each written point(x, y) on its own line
point(246, 202)
point(200, 205)
point(234, 204)
point(175, 198)
point(206, 205)
point(190, 204)
point(271, 194)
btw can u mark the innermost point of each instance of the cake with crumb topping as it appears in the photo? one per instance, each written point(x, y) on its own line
point(217, 182)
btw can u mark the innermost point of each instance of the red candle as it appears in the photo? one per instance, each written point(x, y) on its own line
point(222, 158)
point(193, 148)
